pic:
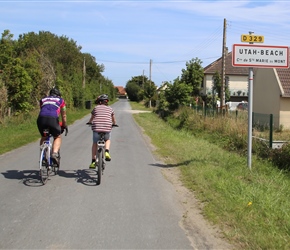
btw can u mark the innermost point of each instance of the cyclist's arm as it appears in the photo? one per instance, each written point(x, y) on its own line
point(91, 119)
point(114, 119)
point(63, 116)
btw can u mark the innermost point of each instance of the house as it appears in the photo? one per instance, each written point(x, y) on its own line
point(236, 78)
point(271, 95)
point(271, 90)
point(121, 92)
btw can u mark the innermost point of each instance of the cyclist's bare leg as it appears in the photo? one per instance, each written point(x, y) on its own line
point(56, 144)
point(94, 150)
point(107, 144)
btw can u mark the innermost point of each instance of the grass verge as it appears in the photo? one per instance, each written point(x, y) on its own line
point(252, 207)
point(20, 130)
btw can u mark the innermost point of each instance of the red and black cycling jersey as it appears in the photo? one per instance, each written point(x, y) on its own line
point(51, 106)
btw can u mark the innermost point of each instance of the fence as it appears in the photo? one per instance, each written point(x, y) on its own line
point(268, 122)
point(264, 124)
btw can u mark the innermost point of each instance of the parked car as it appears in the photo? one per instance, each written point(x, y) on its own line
point(242, 106)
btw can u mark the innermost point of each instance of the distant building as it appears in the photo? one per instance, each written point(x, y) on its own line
point(236, 79)
point(121, 92)
point(271, 89)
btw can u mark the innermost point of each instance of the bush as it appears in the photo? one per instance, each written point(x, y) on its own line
point(281, 157)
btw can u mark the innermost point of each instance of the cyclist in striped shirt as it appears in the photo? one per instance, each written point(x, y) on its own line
point(102, 119)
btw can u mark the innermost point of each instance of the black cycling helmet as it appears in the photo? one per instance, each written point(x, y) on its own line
point(54, 92)
point(102, 99)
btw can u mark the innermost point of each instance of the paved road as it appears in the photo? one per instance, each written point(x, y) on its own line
point(134, 207)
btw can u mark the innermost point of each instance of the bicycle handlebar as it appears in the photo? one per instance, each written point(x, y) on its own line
point(113, 125)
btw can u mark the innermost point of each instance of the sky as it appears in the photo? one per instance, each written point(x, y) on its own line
point(151, 38)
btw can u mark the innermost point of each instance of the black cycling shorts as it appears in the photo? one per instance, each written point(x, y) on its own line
point(50, 123)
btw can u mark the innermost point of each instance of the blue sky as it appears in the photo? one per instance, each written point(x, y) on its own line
point(126, 35)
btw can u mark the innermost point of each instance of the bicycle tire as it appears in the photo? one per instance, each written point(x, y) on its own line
point(100, 166)
point(44, 171)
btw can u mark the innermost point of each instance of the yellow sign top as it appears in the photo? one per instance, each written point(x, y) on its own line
point(252, 38)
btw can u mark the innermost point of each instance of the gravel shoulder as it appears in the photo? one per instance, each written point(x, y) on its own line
point(199, 231)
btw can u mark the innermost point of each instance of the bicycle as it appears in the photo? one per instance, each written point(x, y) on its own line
point(100, 158)
point(46, 165)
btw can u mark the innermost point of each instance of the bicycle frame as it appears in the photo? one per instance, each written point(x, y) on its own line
point(101, 152)
point(46, 166)
point(45, 161)
point(100, 156)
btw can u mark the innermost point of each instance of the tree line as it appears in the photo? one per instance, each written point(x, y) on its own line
point(35, 62)
point(183, 91)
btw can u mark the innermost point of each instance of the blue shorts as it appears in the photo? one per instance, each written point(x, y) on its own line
point(96, 136)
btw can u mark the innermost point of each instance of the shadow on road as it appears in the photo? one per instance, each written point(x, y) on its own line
point(27, 177)
point(86, 177)
point(31, 178)
point(163, 165)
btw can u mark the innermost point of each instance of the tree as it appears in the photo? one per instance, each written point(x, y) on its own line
point(3, 98)
point(6, 56)
point(19, 86)
point(149, 92)
point(217, 87)
point(177, 94)
point(6, 48)
point(36, 62)
point(135, 88)
point(193, 75)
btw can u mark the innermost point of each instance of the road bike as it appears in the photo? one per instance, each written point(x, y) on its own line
point(100, 157)
point(46, 164)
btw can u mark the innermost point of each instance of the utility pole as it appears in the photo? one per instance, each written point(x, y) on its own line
point(150, 81)
point(223, 67)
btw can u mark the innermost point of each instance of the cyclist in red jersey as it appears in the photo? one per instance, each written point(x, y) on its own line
point(102, 119)
point(51, 107)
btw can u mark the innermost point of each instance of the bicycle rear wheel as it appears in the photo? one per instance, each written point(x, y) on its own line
point(44, 166)
point(100, 166)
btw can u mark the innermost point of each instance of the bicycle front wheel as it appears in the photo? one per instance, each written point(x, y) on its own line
point(100, 166)
point(44, 166)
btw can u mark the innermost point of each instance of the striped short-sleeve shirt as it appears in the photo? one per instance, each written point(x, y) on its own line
point(102, 121)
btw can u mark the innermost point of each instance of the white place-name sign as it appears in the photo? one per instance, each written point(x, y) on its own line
point(260, 56)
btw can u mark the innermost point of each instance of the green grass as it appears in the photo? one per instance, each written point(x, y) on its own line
point(18, 131)
point(140, 106)
point(252, 207)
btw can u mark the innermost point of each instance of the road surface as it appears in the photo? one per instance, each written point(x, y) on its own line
point(135, 207)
